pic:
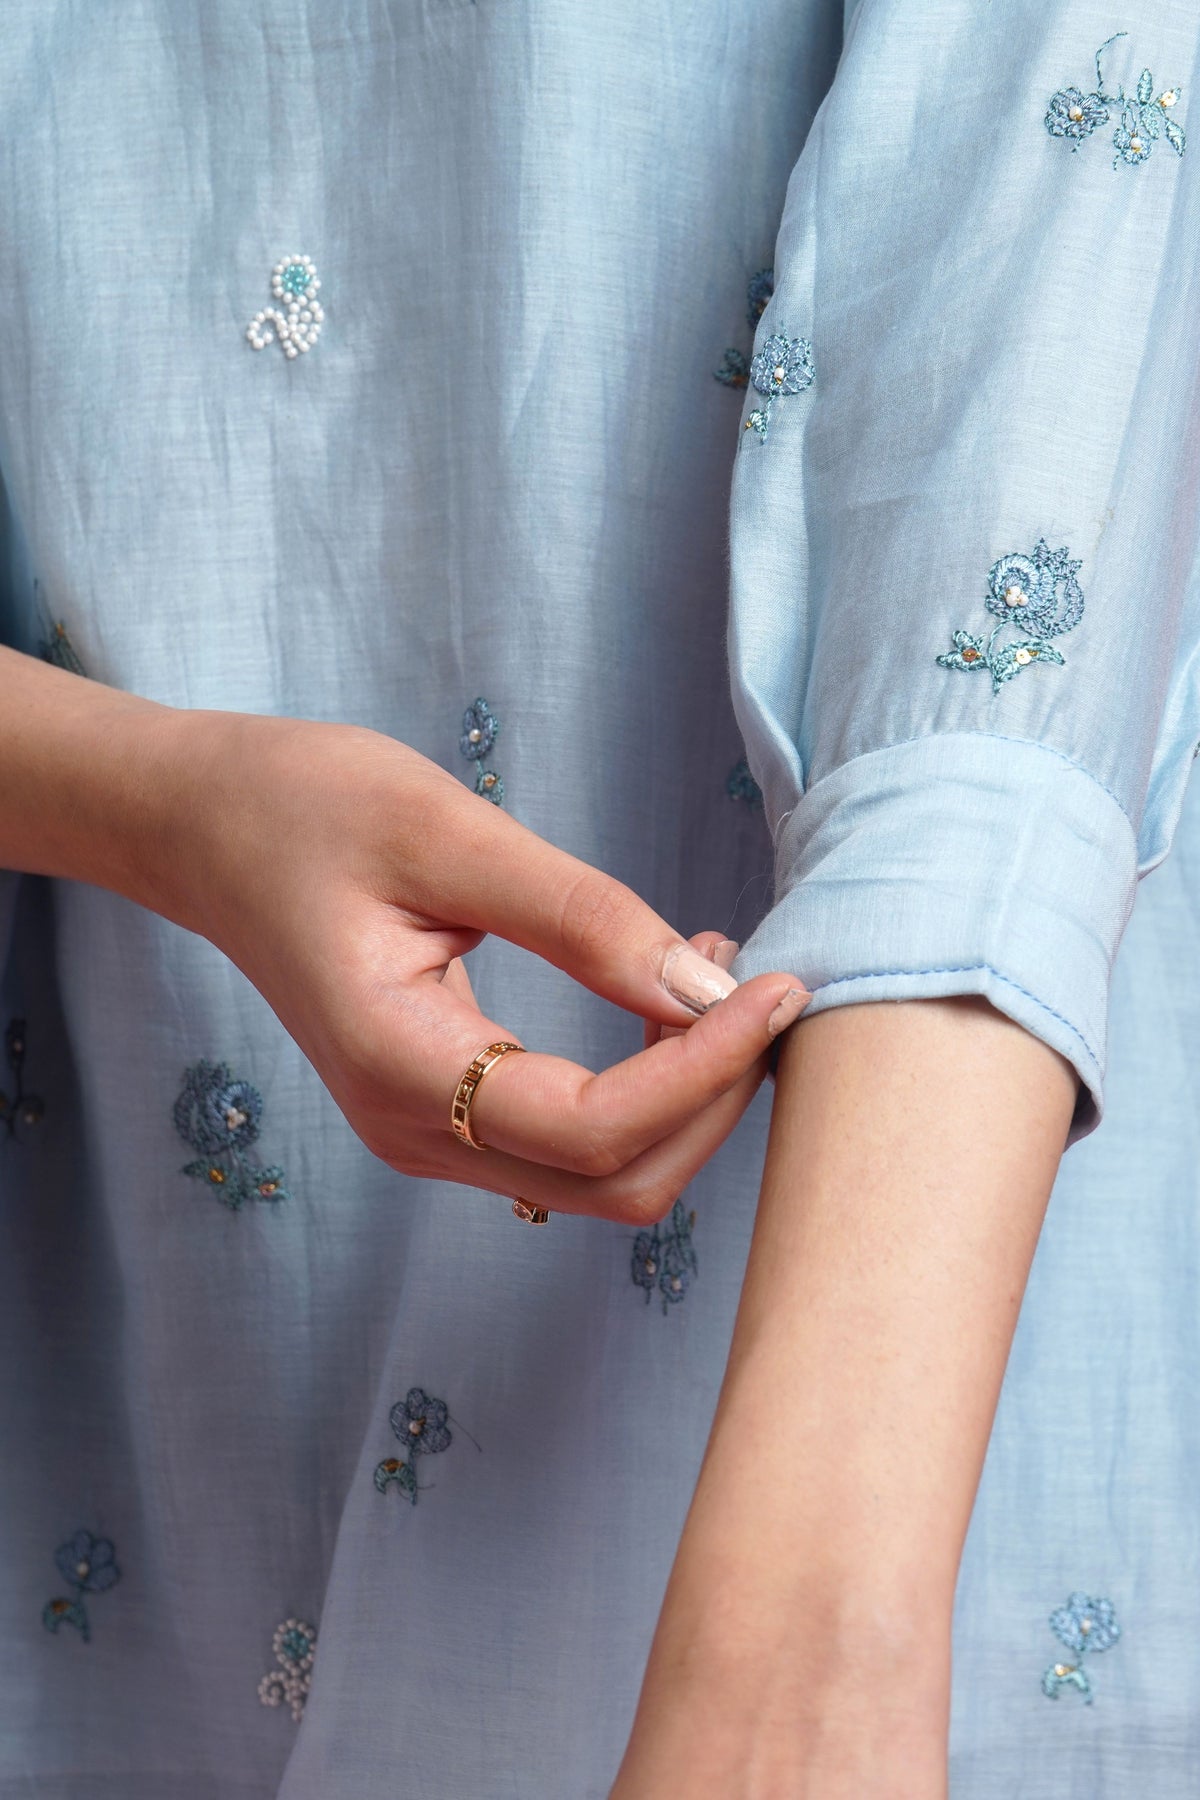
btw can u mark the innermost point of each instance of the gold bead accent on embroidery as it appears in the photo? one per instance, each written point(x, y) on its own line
point(489, 781)
point(971, 655)
point(216, 1176)
point(1061, 1669)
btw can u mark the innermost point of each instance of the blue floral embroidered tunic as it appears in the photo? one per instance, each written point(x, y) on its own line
point(357, 363)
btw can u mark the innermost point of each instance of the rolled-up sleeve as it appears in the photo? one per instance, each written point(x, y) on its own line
point(964, 610)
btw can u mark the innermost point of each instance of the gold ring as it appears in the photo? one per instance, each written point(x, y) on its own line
point(532, 1215)
point(468, 1087)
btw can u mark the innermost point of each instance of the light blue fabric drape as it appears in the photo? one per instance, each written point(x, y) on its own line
point(503, 470)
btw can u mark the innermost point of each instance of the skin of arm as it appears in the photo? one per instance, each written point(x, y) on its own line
point(803, 1650)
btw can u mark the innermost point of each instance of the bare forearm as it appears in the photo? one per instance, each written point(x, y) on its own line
point(80, 773)
point(912, 1153)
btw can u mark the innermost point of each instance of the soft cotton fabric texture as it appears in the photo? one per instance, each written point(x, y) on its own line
point(503, 471)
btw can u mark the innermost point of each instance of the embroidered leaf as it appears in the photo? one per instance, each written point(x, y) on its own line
point(1145, 86)
point(1174, 136)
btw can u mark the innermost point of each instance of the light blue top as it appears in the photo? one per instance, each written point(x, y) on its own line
point(257, 1387)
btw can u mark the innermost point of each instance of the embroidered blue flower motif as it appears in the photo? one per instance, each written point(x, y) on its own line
point(296, 323)
point(88, 1566)
point(1086, 1626)
point(1039, 593)
point(54, 645)
point(664, 1259)
point(1075, 115)
point(420, 1422)
point(480, 729)
point(735, 368)
point(782, 366)
point(294, 1647)
point(18, 1108)
point(219, 1116)
point(741, 785)
point(762, 286)
point(1144, 116)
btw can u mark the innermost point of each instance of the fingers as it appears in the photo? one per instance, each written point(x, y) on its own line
point(546, 1110)
point(643, 1191)
point(509, 881)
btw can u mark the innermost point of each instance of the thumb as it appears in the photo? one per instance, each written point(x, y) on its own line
point(514, 884)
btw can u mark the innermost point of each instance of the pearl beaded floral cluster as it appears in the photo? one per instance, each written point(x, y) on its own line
point(294, 1646)
point(298, 325)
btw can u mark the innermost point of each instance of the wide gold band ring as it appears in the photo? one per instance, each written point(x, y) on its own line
point(468, 1087)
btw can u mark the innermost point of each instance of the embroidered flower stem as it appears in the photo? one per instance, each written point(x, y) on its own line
point(294, 1647)
point(735, 369)
point(665, 1259)
point(1086, 1627)
point(219, 1116)
point(420, 1423)
point(88, 1566)
point(1144, 117)
point(18, 1108)
point(1039, 591)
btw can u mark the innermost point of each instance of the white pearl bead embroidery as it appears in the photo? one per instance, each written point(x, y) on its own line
point(297, 324)
point(294, 1646)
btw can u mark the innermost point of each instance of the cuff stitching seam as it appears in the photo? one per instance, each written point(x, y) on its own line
point(963, 969)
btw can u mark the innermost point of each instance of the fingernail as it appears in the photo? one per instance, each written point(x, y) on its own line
point(725, 952)
point(789, 1008)
point(695, 981)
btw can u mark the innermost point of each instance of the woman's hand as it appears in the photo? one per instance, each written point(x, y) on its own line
point(347, 876)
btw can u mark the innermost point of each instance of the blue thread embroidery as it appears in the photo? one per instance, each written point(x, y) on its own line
point(741, 785)
point(735, 369)
point(294, 1647)
point(419, 1421)
point(480, 729)
point(1039, 592)
point(1145, 117)
point(18, 1108)
point(1086, 1626)
point(88, 1565)
point(664, 1258)
point(297, 323)
point(783, 366)
point(54, 646)
point(219, 1116)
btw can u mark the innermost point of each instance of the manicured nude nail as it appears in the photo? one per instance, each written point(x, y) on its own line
point(789, 1008)
point(693, 980)
point(725, 952)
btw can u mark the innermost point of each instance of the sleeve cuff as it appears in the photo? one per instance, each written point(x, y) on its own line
point(958, 864)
